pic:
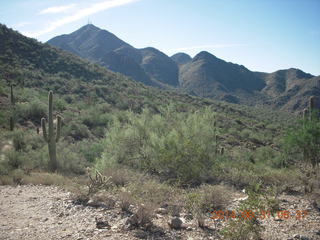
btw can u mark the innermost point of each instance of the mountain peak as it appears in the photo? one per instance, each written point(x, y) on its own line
point(293, 73)
point(88, 28)
point(91, 26)
point(181, 58)
point(204, 55)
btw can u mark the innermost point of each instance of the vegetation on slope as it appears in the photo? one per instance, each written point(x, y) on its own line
point(138, 135)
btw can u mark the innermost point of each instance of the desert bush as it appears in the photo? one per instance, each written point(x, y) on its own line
point(33, 111)
point(4, 168)
point(303, 142)
point(14, 159)
point(60, 104)
point(69, 160)
point(142, 217)
point(93, 117)
point(125, 201)
point(152, 191)
point(120, 177)
point(76, 130)
point(268, 156)
point(44, 178)
point(247, 226)
point(179, 147)
point(90, 150)
point(18, 139)
point(207, 198)
point(245, 133)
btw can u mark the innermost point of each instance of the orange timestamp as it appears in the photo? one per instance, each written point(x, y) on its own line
point(262, 214)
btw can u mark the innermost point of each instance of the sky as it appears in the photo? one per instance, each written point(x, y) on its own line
point(262, 35)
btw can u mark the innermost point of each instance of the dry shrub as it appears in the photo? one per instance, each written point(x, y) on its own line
point(281, 177)
point(216, 197)
point(125, 201)
point(119, 177)
point(142, 217)
point(103, 198)
point(18, 176)
point(42, 178)
point(148, 190)
point(207, 198)
point(97, 183)
point(6, 180)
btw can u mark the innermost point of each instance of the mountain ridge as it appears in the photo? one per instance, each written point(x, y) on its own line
point(204, 75)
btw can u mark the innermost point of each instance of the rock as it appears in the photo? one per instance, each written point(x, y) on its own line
point(175, 211)
point(141, 234)
point(297, 236)
point(189, 216)
point(175, 223)
point(316, 205)
point(161, 211)
point(304, 238)
point(100, 224)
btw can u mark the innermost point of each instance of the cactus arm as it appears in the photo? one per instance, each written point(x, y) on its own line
point(58, 128)
point(44, 130)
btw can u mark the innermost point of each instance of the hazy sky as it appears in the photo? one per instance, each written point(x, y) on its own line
point(263, 35)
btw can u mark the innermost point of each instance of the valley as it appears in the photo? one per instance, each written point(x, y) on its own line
point(150, 145)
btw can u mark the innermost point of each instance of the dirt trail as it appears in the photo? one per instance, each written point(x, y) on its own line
point(46, 212)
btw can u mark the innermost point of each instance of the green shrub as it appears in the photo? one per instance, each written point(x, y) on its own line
point(33, 111)
point(303, 142)
point(69, 159)
point(76, 130)
point(60, 104)
point(177, 146)
point(90, 150)
point(14, 159)
point(18, 139)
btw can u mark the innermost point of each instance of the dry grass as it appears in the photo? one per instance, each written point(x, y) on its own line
point(142, 217)
point(18, 176)
point(126, 201)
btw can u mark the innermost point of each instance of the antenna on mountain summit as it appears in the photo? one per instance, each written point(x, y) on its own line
point(89, 21)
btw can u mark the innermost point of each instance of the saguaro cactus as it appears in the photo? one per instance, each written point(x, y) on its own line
point(305, 116)
point(312, 107)
point(12, 108)
point(51, 137)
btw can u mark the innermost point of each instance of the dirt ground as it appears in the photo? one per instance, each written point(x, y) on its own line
point(48, 212)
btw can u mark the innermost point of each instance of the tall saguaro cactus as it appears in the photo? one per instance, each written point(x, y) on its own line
point(12, 108)
point(312, 107)
point(310, 112)
point(52, 137)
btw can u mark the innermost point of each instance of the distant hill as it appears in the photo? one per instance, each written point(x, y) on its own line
point(204, 75)
point(88, 95)
point(159, 66)
point(181, 58)
point(34, 66)
point(209, 76)
point(149, 66)
point(89, 42)
point(290, 89)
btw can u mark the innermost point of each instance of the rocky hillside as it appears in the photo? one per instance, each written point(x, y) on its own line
point(209, 76)
point(289, 89)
